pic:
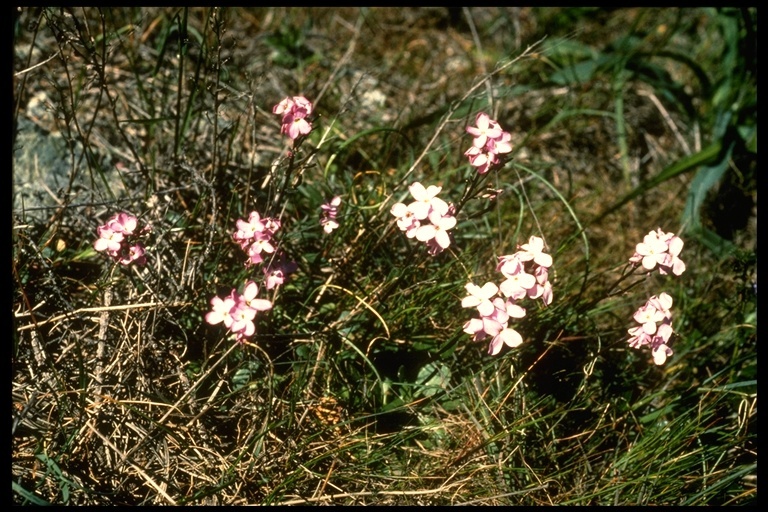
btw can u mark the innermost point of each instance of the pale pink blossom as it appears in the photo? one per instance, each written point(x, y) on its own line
point(134, 253)
point(490, 140)
point(118, 238)
point(295, 125)
point(110, 240)
point(238, 312)
point(329, 212)
point(294, 111)
point(438, 229)
point(655, 329)
point(660, 249)
point(249, 298)
point(507, 336)
point(486, 129)
point(516, 286)
point(277, 272)
point(426, 200)
point(242, 320)
point(661, 353)
point(534, 250)
point(406, 220)
point(428, 218)
point(480, 298)
point(221, 310)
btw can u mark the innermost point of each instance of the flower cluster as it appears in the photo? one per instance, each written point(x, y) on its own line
point(276, 272)
point(428, 218)
point(655, 327)
point(489, 142)
point(328, 218)
point(117, 237)
point(527, 272)
point(295, 112)
point(237, 312)
point(662, 249)
point(255, 236)
point(526, 275)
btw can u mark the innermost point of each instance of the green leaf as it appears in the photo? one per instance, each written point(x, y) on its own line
point(28, 495)
point(432, 378)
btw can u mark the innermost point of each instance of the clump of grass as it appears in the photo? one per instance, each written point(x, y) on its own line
point(359, 385)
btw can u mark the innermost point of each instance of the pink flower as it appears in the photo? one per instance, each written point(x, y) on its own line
point(648, 316)
point(249, 298)
point(285, 105)
point(246, 230)
point(406, 220)
point(662, 249)
point(480, 298)
point(426, 200)
point(662, 303)
point(295, 111)
point(134, 253)
point(127, 222)
point(489, 142)
point(661, 353)
point(221, 310)
point(277, 272)
point(255, 236)
point(510, 265)
point(486, 129)
point(428, 218)
point(238, 312)
point(482, 327)
point(546, 294)
point(295, 125)
point(652, 250)
point(526, 274)
point(516, 286)
point(437, 230)
point(260, 244)
point(501, 145)
point(242, 320)
point(534, 250)
point(118, 239)
point(482, 159)
point(638, 337)
point(110, 239)
point(507, 336)
point(655, 329)
point(330, 211)
point(508, 308)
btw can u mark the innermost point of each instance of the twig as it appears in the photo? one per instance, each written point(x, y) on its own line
point(98, 310)
point(24, 71)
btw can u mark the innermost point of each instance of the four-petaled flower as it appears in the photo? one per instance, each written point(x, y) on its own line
point(238, 312)
point(662, 249)
point(255, 236)
point(295, 111)
point(118, 238)
point(526, 275)
point(428, 218)
point(278, 271)
point(655, 329)
point(489, 142)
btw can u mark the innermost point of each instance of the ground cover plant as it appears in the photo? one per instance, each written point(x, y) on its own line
point(491, 256)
